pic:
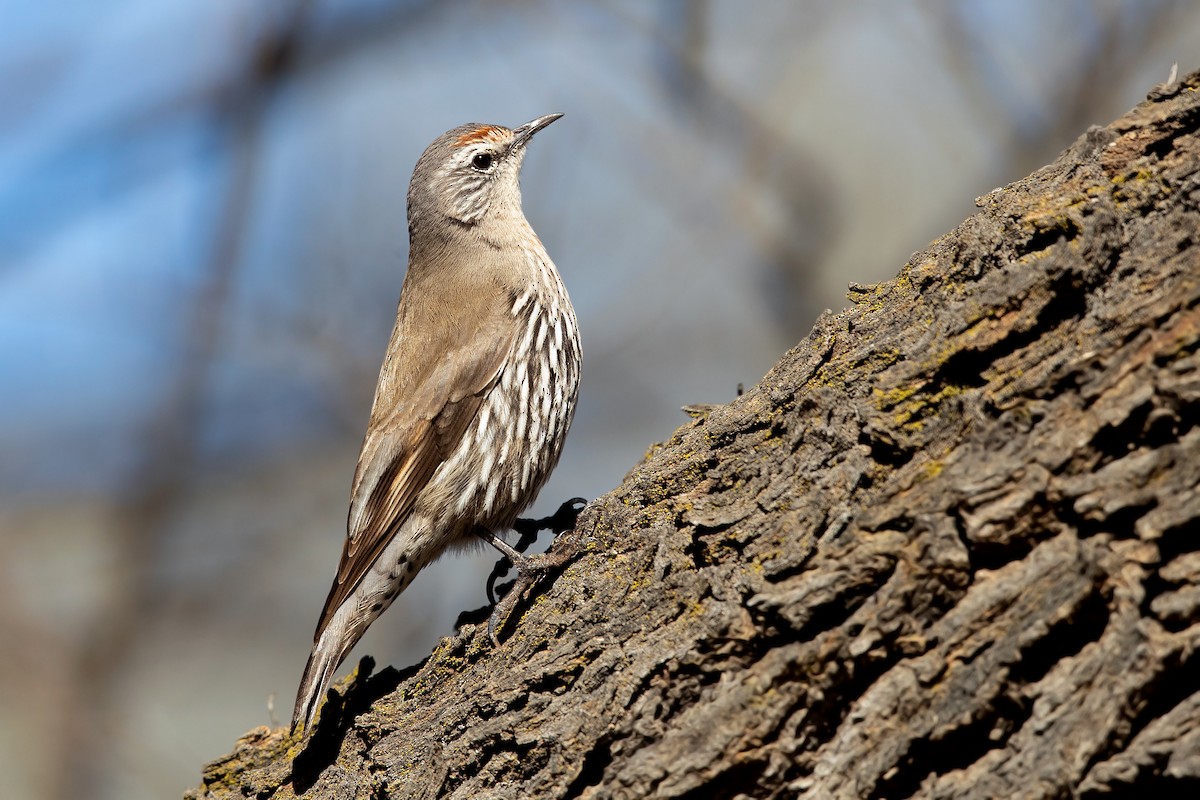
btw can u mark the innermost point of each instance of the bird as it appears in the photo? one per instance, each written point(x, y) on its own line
point(476, 393)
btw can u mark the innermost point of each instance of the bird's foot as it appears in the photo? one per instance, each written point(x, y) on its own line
point(560, 521)
point(530, 570)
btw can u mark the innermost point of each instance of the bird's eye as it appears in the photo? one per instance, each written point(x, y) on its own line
point(482, 162)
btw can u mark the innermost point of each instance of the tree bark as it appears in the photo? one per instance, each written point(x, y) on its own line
point(948, 547)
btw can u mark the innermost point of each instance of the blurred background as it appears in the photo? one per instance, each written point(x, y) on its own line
point(203, 237)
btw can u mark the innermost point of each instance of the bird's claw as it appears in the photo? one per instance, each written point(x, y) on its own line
point(530, 569)
point(559, 522)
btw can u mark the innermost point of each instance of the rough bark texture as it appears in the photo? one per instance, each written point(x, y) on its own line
point(948, 547)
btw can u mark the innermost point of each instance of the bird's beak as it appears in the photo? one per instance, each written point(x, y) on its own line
point(522, 134)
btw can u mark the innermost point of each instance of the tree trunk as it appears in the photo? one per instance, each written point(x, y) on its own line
point(948, 547)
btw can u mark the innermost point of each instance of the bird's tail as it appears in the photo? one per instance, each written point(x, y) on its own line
point(328, 652)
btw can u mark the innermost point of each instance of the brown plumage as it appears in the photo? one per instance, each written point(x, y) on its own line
point(475, 395)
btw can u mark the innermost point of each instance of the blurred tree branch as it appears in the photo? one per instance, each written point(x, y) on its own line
point(168, 441)
point(1121, 38)
point(782, 196)
point(285, 50)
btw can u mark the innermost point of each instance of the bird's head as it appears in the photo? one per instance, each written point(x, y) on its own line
point(472, 173)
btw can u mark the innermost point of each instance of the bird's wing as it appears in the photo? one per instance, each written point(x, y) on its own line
point(404, 448)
